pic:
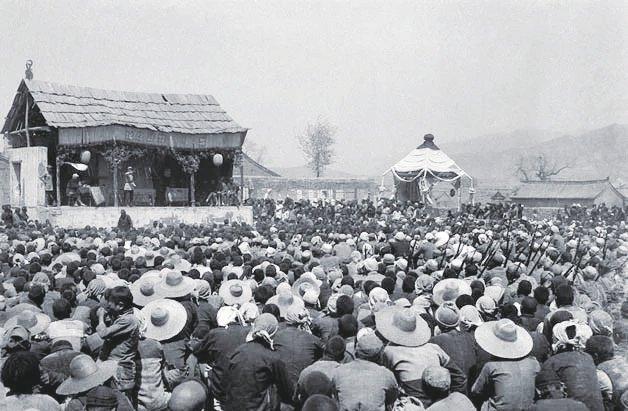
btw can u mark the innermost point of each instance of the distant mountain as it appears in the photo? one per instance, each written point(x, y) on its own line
point(594, 154)
point(497, 142)
point(306, 172)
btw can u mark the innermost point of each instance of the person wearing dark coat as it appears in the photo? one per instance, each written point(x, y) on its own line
point(296, 346)
point(124, 222)
point(216, 350)
point(255, 369)
point(575, 368)
point(57, 366)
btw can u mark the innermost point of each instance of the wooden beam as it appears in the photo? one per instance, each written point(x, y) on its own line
point(29, 129)
point(28, 134)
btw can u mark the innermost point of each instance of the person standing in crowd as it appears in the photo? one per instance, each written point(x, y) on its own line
point(124, 222)
point(118, 327)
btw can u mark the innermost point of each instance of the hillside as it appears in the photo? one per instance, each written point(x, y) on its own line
point(594, 154)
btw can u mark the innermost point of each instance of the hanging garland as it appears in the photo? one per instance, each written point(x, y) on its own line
point(190, 162)
point(120, 154)
point(66, 154)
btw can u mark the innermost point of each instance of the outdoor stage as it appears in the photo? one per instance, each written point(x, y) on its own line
point(79, 217)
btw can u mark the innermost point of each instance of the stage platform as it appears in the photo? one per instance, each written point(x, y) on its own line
point(79, 217)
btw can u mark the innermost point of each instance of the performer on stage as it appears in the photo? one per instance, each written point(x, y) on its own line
point(129, 186)
point(46, 178)
point(71, 190)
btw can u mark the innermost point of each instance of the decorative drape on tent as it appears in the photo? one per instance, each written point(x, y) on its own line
point(415, 174)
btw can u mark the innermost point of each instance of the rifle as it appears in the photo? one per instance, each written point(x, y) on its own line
point(489, 257)
point(575, 255)
point(536, 229)
point(507, 242)
point(539, 259)
point(442, 259)
point(605, 242)
point(411, 256)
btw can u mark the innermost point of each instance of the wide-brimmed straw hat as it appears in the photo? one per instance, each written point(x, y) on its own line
point(164, 319)
point(174, 285)
point(286, 301)
point(402, 326)
point(86, 374)
point(66, 258)
point(303, 285)
point(235, 292)
point(33, 321)
point(504, 339)
point(178, 263)
point(143, 289)
point(149, 256)
point(135, 252)
point(449, 289)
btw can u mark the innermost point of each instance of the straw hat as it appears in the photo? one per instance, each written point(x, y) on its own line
point(164, 319)
point(173, 285)
point(449, 289)
point(402, 326)
point(235, 292)
point(34, 322)
point(178, 263)
point(39, 243)
point(86, 374)
point(135, 252)
point(143, 289)
point(66, 258)
point(303, 285)
point(504, 339)
point(441, 238)
point(286, 301)
point(496, 292)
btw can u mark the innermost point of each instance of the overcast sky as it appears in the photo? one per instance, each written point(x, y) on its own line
point(384, 73)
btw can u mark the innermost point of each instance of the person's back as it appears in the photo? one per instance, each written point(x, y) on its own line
point(30, 402)
point(558, 404)
point(578, 372)
point(508, 383)
point(617, 371)
point(408, 364)
point(151, 394)
point(455, 401)
point(325, 327)
point(460, 346)
point(297, 349)
point(363, 385)
point(253, 370)
point(220, 344)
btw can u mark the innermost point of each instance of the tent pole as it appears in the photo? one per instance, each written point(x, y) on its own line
point(460, 197)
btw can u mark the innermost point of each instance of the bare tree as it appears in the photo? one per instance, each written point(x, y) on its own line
point(256, 151)
point(541, 168)
point(317, 145)
point(522, 169)
point(545, 168)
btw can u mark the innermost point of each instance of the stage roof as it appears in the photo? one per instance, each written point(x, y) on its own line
point(86, 115)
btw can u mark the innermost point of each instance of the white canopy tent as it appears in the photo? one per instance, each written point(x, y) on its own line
point(416, 173)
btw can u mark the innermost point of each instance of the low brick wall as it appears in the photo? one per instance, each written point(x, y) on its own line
point(310, 188)
point(78, 217)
